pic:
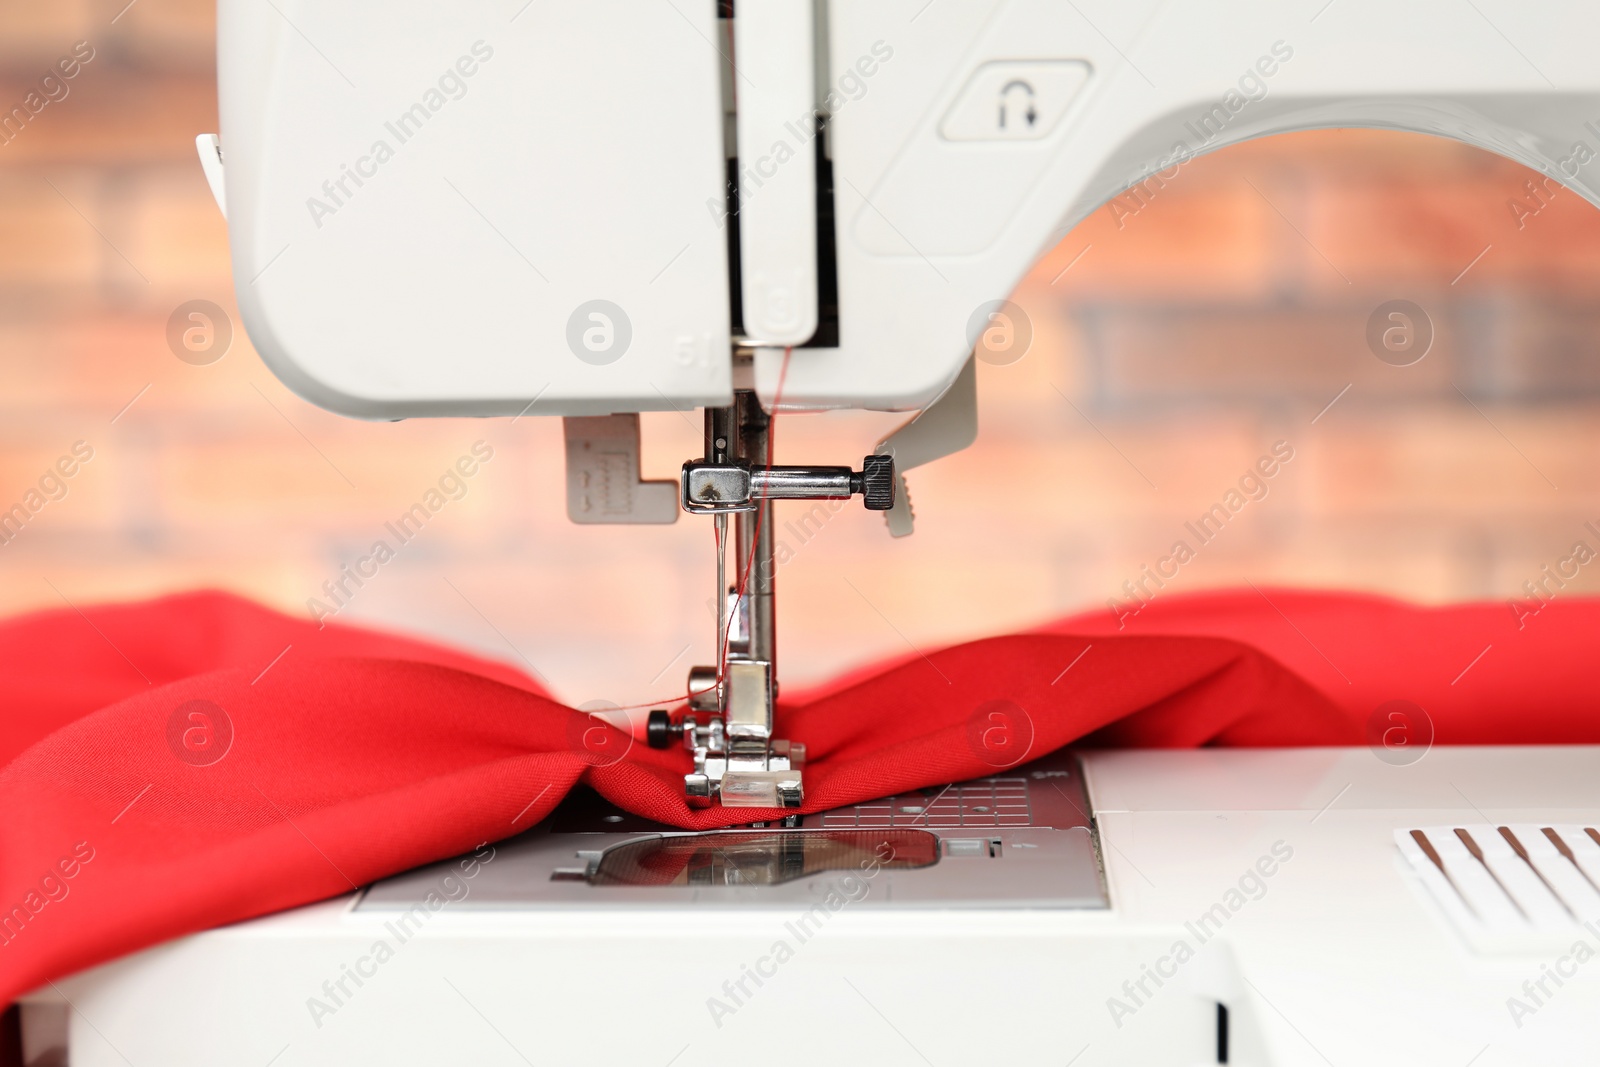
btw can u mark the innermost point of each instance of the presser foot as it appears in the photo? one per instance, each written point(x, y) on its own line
point(729, 722)
point(738, 773)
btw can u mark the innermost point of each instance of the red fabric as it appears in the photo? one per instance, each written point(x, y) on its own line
point(354, 755)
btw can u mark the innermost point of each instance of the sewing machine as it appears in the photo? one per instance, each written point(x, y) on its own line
point(592, 210)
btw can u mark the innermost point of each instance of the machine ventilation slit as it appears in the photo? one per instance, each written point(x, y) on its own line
point(1477, 854)
point(1522, 854)
point(1567, 854)
point(1433, 855)
point(1508, 889)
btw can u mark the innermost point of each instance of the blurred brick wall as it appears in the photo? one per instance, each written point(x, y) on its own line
point(1172, 347)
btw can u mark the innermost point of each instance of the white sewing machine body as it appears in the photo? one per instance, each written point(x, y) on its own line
point(1268, 882)
point(514, 209)
point(420, 202)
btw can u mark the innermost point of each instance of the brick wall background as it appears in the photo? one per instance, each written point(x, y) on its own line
point(1173, 346)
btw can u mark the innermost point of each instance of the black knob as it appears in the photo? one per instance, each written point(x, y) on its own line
point(877, 482)
point(659, 731)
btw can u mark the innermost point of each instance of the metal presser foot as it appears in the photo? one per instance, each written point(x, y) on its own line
point(728, 725)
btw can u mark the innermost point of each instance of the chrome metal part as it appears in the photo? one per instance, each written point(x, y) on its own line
point(729, 724)
point(704, 689)
point(1018, 839)
point(736, 488)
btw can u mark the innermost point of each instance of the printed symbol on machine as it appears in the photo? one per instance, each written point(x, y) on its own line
point(1399, 732)
point(599, 332)
point(1399, 332)
point(199, 332)
point(199, 732)
point(1000, 733)
point(600, 732)
point(999, 332)
point(1016, 105)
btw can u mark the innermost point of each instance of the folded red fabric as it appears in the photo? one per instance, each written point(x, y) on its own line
point(199, 760)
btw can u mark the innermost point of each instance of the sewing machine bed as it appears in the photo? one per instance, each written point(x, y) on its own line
point(1018, 839)
point(1251, 907)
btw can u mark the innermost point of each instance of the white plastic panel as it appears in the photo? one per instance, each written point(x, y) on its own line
point(1276, 870)
point(932, 227)
point(1014, 100)
point(987, 154)
point(443, 209)
point(777, 164)
point(583, 161)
